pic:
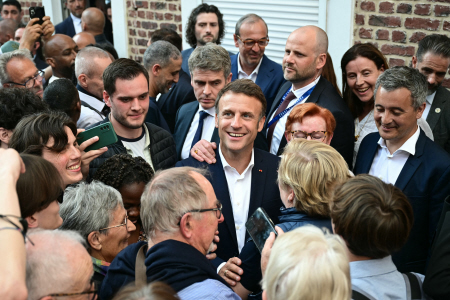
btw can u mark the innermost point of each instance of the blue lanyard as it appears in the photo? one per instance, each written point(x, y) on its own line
point(284, 112)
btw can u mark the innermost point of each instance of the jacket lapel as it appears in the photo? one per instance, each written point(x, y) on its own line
point(438, 102)
point(234, 67)
point(265, 75)
point(185, 125)
point(411, 165)
point(259, 173)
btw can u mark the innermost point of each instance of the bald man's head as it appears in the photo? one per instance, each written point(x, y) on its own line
point(83, 39)
point(60, 52)
point(93, 20)
point(317, 35)
point(7, 30)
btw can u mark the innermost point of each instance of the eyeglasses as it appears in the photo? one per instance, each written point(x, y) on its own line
point(249, 43)
point(218, 211)
point(39, 76)
point(123, 224)
point(315, 135)
point(93, 289)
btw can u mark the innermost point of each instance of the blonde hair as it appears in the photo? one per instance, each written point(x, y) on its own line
point(311, 169)
point(308, 264)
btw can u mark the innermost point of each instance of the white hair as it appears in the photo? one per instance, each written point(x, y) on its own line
point(84, 62)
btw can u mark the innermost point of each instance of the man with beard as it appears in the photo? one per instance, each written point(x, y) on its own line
point(433, 60)
point(72, 25)
point(60, 52)
point(126, 85)
point(205, 24)
point(304, 57)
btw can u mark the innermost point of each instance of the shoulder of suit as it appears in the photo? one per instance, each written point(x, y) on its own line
point(188, 106)
point(266, 155)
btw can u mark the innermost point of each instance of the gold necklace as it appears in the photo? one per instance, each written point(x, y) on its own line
point(357, 135)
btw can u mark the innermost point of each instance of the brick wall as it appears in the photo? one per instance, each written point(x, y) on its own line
point(25, 6)
point(395, 27)
point(148, 17)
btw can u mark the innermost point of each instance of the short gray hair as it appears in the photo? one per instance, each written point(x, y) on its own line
point(160, 52)
point(84, 62)
point(5, 58)
point(168, 196)
point(210, 57)
point(48, 261)
point(404, 77)
point(250, 19)
point(89, 207)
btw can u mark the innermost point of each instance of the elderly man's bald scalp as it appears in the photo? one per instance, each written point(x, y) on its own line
point(83, 39)
point(320, 35)
point(56, 44)
point(94, 20)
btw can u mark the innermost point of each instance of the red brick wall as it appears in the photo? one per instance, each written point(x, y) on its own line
point(395, 27)
point(25, 6)
point(150, 16)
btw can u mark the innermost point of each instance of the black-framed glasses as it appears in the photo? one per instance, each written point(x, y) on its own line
point(39, 76)
point(93, 290)
point(249, 43)
point(217, 210)
point(120, 225)
point(315, 135)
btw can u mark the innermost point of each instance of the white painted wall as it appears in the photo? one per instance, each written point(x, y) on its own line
point(53, 9)
point(120, 27)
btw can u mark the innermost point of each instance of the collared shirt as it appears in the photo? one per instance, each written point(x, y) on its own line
point(53, 78)
point(76, 23)
point(208, 289)
point(243, 75)
point(280, 128)
point(87, 115)
point(387, 166)
point(239, 187)
point(379, 279)
point(207, 132)
point(429, 102)
point(139, 147)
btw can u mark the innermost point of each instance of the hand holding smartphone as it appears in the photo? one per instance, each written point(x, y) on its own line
point(259, 227)
point(37, 12)
point(106, 136)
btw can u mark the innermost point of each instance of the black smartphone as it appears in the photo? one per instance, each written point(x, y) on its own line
point(106, 136)
point(259, 226)
point(37, 12)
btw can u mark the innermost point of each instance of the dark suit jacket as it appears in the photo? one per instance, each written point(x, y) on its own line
point(270, 77)
point(440, 122)
point(264, 193)
point(66, 27)
point(155, 117)
point(180, 93)
point(185, 116)
point(424, 179)
point(101, 39)
point(325, 95)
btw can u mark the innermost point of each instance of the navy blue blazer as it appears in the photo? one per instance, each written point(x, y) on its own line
point(270, 77)
point(155, 117)
point(66, 27)
point(185, 116)
point(425, 180)
point(264, 193)
point(325, 95)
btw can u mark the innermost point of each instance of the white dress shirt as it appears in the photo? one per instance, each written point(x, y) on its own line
point(76, 23)
point(387, 166)
point(243, 75)
point(280, 128)
point(87, 115)
point(239, 186)
point(207, 132)
point(429, 102)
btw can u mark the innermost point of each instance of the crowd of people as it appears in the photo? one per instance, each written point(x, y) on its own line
point(356, 182)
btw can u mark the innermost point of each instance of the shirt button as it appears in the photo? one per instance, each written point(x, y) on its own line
point(237, 227)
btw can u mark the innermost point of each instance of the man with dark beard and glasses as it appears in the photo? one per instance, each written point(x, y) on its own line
point(126, 85)
point(60, 52)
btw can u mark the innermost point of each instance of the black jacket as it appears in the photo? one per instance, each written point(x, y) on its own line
point(162, 149)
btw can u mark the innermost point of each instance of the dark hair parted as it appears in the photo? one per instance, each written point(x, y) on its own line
point(123, 169)
point(63, 96)
point(368, 51)
point(246, 87)
point(168, 35)
point(34, 132)
point(122, 68)
point(373, 217)
point(190, 26)
point(437, 44)
point(39, 186)
point(16, 103)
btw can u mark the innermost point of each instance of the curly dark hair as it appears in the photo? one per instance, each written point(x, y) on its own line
point(190, 25)
point(123, 169)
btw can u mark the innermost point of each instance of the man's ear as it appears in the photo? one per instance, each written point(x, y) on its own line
point(236, 41)
point(82, 80)
point(217, 121)
point(229, 78)
point(156, 69)
point(420, 110)
point(32, 221)
point(51, 62)
point(95, 241)
point(321, 61)
point(414, 62)
point(186, 225)
point(261, 123)
point(287, 135)
point(5, 135)
point(107, 98)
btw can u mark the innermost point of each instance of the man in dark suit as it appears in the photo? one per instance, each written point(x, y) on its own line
point(305, 56)
point(251, 37)
point(433, 60)
point(210, 69)
point(243, 178)
point(401, 154)
point(72, 25)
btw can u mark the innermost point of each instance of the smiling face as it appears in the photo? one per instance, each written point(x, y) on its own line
point(308, 125)
point(68, 161)
point(434, 67)
point(253, 31)
point(131, 196)
point(395, 116)
point(206, 28)
point(362, 74)
point(207, 84)
point(238, 121)
point(168, 76)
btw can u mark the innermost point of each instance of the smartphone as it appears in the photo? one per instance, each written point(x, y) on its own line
point(37, 12)
point(259, 226)
point(106, 136)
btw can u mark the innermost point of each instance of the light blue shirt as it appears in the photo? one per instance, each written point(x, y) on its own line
point(208, 289)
